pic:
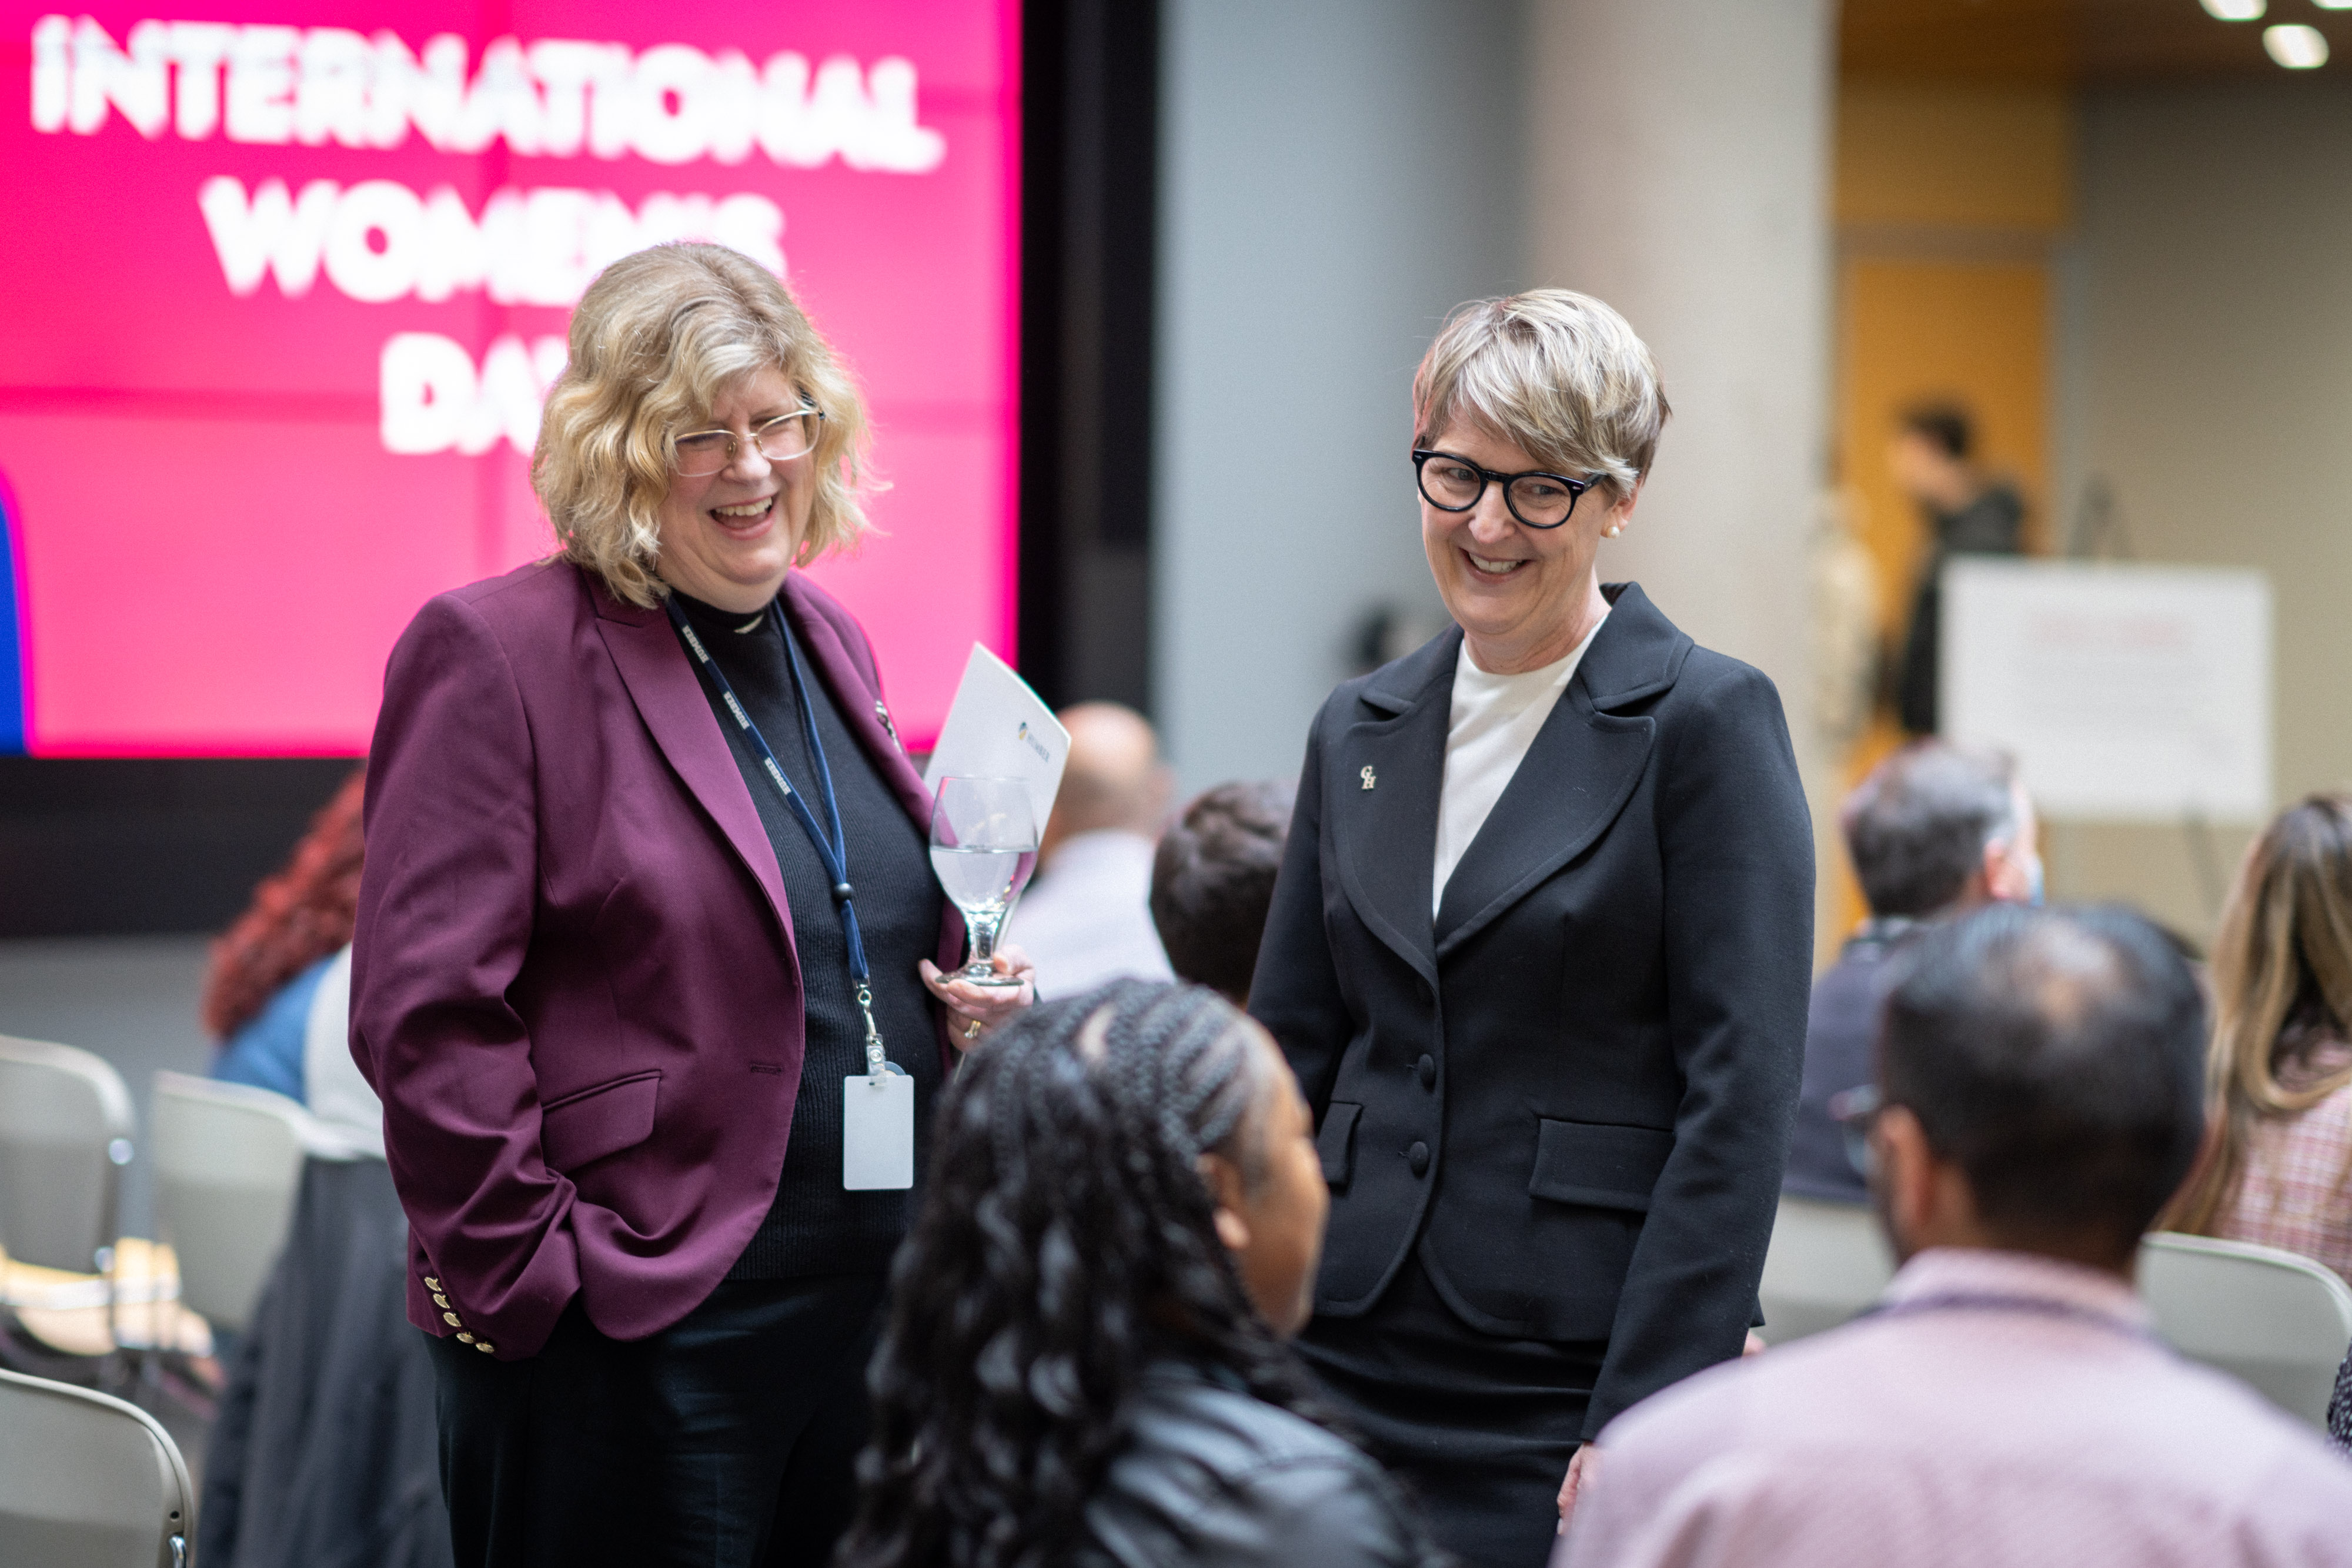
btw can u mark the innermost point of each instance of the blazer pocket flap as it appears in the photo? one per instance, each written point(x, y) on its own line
point(1598, 1163)
point(1337, 1142)
point(598, 1122)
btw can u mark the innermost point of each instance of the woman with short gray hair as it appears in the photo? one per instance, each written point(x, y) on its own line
point(1539, 954)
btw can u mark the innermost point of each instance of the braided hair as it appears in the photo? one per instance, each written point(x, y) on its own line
point(1065, 1241)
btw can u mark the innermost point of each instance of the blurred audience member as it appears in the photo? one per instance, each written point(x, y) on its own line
point(266, 966)
point(1084, 1363)
point(1967, 513)
point(326, 1447)
point(1084, 919)
point(2007, 1402)
point(2279, 1170)
point(2340, 1407)
point(1934, 830)
point(1212, 880)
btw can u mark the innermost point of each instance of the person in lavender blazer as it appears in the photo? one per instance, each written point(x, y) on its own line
point(601, 976)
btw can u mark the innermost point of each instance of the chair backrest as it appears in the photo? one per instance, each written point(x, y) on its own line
point(89, 1480)
point(227, 1160)
point(2275, 1319)
point(65, 1135)
point(1827, 1262)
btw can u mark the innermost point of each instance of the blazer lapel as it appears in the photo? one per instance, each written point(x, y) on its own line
point(669, 698)
point(859, 702)
point(1385, 774)
point(1577, 774)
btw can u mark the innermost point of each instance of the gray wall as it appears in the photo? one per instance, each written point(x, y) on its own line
point(2215, 341)
point(1336, 174)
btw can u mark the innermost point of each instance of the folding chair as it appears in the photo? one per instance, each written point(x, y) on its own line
point(1826, 1262)
point(2275, 1319)
point(88, 1479)
point(65, 1135)
point(227, 1160)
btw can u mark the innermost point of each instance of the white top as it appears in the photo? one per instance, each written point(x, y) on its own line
point(1088, 917)
point(1493, 722)
point(338, 1098)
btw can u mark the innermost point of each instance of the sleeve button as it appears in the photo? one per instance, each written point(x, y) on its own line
point(440, 1300)
point(454, 1321)
point(430, 1283)
point(485, 1347)
point(464, 1339)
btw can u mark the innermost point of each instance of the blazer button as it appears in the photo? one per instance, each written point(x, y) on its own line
point(1427, 1068)
point(440, 1300)
point(485, 1347)
point(430, 1283)
point(464, 1339)
point(454, 1321)
point(1417, 1157)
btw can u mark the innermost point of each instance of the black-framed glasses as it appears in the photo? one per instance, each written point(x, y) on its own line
point(779, 440)
point(1539, 499)
point(1855, 1111)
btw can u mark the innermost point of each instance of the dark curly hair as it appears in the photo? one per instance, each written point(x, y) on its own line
point(1064, 1243)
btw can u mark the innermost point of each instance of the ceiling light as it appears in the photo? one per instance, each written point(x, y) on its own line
point(2232, 10)
point(2296, 46)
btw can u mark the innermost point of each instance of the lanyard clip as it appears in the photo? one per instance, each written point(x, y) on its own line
point(876, 1063)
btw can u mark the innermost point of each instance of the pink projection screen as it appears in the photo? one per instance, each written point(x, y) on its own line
point(285, 284)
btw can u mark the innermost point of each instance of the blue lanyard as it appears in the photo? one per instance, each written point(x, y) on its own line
point(832, 845)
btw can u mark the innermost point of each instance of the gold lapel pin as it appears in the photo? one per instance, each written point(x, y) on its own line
point(1366, 777)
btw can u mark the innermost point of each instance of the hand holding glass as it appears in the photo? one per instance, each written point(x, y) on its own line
point(983, 847)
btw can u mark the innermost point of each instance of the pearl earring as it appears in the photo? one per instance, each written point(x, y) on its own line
point(1616, 528)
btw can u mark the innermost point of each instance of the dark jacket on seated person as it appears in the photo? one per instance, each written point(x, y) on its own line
point(1214, 1478)
point(1838, 1032)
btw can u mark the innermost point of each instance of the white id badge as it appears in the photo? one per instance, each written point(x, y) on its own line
point(877, 1132)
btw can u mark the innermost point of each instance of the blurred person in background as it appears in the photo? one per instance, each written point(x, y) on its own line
point(1085, 919)
point(1212, 882)
point(1085, 1363)
point(266, 968)
point(2007, 1402)
point(1966, 512)
point(1538, 952)
point(649, 893)
point(2279, 1170)
point(1935, 830)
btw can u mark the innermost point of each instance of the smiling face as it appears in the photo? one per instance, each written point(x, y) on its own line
point(1523, 597)
point(729, 538)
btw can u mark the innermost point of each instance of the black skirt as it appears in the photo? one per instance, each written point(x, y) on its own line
point(1478, 1427)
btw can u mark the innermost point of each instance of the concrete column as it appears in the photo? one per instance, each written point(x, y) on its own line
point(1678, 168)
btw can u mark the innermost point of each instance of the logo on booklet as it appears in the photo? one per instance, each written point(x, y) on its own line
point(1033, 743)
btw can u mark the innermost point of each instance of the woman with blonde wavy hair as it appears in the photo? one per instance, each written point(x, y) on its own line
point(2280, 1169)
point(647, 909)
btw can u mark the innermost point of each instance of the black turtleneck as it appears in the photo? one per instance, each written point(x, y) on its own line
point(815, 1226)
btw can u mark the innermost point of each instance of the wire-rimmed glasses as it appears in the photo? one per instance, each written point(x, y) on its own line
point(699, 453)
point(1538, 498)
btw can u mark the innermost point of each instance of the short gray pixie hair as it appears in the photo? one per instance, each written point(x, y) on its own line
point(654, 340)
point(1552, 371)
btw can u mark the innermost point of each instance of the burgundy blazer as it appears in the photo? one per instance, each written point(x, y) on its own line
point(574, 981)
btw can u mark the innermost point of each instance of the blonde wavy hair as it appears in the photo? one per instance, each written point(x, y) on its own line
point(2282, 989)
point(655, 339)
point(1554, 372)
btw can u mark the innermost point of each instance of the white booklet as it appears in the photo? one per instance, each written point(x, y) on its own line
point(999, 728)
